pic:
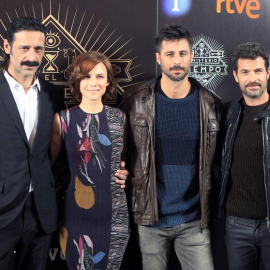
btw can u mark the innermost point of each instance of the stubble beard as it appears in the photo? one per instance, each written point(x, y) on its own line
point(253, 94)
point(175, 78)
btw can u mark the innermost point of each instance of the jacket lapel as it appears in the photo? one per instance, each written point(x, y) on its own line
point(11, 107)
point(42, 101)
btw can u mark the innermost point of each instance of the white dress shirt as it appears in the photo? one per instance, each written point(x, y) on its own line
point(27, 104)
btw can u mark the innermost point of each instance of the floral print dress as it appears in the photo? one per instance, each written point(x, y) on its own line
point(95, 231)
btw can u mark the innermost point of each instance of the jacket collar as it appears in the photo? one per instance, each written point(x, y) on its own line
point(11, 107)
point(260, 115)
point(263, 114)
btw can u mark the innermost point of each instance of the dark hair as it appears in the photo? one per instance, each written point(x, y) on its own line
point(21, 24)
point(250, 50)
point(81, 67)
point(172, 32)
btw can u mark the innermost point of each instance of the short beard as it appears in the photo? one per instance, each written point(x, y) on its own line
point(254, 95)
point(175, 78)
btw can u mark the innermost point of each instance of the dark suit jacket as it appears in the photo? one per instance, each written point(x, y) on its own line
point(19, 163)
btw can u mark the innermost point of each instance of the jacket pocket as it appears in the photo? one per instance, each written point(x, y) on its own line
point(140, 129)
point(212, 129)
point(138, 195)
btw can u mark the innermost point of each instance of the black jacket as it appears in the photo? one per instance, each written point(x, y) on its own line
point(20, 163)
point(228, 132)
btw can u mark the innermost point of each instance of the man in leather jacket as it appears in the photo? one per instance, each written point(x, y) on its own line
point(245, 169)
point(173, 123)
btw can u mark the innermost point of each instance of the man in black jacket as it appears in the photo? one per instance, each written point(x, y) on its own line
point(245, 169)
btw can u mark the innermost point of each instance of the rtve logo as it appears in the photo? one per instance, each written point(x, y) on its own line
point(251, 7)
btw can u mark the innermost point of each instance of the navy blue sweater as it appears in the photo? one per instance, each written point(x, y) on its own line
point(177, 136)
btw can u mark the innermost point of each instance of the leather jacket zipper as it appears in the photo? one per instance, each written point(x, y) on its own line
point(222, 193)
point(267, 218)
point(202, 184)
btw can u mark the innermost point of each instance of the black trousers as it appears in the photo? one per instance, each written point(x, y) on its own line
point(23, 243)
point(247, 240)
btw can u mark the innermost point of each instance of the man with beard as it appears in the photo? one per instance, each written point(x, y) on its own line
point(172, 130)
point(245, 169)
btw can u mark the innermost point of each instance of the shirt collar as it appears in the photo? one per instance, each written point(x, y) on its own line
point(13, 83)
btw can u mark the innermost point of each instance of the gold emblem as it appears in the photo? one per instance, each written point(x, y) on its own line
point(70, 35)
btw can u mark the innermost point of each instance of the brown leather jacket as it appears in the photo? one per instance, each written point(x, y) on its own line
point(139, 105)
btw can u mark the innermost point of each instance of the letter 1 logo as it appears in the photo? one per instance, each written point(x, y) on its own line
point(176, 8)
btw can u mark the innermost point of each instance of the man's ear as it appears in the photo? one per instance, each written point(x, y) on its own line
point(235, 76)
point(192, 55)
point(158, 58)
point(7, 46)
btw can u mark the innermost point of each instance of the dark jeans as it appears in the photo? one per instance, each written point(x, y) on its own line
point(247, 240)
